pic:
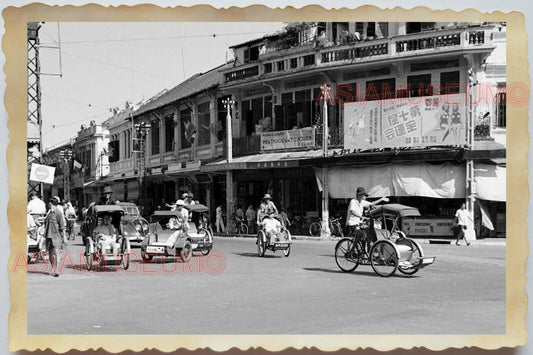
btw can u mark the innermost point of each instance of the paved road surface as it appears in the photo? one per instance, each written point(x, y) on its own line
point(233, 291)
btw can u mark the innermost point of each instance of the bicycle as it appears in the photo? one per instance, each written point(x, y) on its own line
point(240, 226)
point(70, 228)
point(335, 227)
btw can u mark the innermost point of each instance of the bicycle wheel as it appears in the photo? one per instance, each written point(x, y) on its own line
point(384, 258)
point(346, 256)
point(243, 229)
point(411, 258)
point(314, 229)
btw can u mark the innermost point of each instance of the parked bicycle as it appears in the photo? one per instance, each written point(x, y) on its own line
point(240, 226)
point(335, 227)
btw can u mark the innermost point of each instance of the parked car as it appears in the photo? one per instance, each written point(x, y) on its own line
point(135, 227)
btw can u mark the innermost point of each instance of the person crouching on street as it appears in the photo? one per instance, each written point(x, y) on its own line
point(55, 235)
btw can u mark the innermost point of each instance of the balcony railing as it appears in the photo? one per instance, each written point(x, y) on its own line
point(299, 58)
point(241, 74)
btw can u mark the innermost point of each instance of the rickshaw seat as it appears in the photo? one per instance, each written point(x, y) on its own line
point(382, 234)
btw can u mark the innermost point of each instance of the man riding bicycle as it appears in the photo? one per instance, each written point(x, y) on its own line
point(355, 218)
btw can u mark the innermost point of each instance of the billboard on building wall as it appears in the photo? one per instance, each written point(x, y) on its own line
point(295, 138)
point(414, 122)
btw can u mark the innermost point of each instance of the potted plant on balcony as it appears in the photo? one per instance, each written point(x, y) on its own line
point(482, 125)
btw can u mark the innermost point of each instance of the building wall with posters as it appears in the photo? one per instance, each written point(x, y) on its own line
point(399, 93)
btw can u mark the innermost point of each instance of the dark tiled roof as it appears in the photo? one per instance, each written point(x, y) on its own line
point(195, 84)
point(254, 41)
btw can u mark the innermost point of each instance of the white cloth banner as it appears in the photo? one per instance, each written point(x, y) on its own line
point(428, 180)
point(491, 182)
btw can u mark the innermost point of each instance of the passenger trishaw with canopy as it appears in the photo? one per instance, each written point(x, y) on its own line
point(273, 235)
point(94, 248)
point(163, 240)
point(390, 248)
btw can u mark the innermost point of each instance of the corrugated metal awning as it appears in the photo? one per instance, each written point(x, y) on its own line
point(266, 160)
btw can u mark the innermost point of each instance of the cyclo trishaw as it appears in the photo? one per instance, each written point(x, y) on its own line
point(273, 235)
point(197, 238)
point(93, 246)
point(390, 248)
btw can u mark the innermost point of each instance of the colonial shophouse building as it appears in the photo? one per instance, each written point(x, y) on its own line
point(417, 113)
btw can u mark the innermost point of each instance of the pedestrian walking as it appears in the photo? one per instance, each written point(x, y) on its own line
point(461, 217)
point(55, 235)
point(250, 218)
point(219, 220)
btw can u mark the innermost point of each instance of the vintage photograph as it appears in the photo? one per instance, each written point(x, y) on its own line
point(255, 178)
point(266, 178)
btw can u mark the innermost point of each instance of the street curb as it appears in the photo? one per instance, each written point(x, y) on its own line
point(479, 242)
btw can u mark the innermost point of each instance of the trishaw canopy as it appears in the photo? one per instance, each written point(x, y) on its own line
point(198, 208)
point(107, 208)
point(395, 209)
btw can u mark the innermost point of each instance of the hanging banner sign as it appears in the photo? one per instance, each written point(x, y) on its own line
point(294, 138)
point(399, 123)
point(42, 173)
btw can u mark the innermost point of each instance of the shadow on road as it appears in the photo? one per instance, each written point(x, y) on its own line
point(254, 255)
point(333, 271)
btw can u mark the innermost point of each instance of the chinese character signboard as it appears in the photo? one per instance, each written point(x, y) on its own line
point(295, 138)
point(414, 122)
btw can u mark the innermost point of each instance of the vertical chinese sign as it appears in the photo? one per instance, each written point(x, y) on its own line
point(414, 122)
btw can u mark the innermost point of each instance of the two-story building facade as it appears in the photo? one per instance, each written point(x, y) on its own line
point(413, 113)
point(184, 128)
point(90, 149)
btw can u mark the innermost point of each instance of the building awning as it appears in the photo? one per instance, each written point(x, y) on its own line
point(418, 179)
point(266, 160)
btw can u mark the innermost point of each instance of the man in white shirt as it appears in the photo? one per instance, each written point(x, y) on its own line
point(355, 218)
point(461, 218)
point(36, 206)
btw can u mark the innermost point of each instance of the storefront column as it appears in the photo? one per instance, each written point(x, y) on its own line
point(230, 198)
point(470, 191)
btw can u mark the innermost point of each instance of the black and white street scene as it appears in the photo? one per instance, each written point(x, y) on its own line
point(266, 178)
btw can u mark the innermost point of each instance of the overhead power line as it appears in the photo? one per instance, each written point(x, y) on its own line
point(214, 35)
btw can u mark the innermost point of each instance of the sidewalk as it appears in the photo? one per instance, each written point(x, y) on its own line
point(479, 242)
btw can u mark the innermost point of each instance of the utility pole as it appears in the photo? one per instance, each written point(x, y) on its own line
point(35, 137)
point(326, 94)
point(470, 183)
point(142, 130)
point(228, 104)
point(66, 155)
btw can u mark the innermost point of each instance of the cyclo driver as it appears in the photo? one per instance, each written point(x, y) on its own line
point(179, 223)
point(355, 218)
point(267, 208)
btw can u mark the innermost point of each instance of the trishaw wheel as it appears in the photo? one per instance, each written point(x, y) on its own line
point(243, 229)
point(384, 258)
point(414, 256)
point(314, 229)
point(260, 243)
point(88, 256)
point(125, 249)
point(145, 257)
point(186, 252)
point(287, 251)
point(346, 256)
point(209, 237)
